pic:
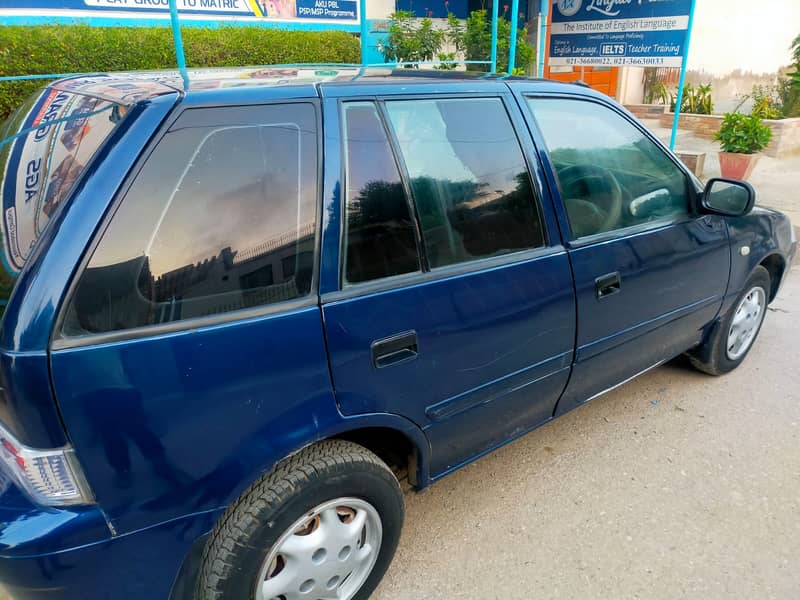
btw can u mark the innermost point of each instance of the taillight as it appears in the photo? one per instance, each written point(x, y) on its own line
point(50, 477)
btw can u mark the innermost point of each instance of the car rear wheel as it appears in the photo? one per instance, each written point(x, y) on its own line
point(323, 525)
point(733, 336)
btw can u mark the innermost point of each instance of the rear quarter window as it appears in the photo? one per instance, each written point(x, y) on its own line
point(221, 218)
point(44, 148)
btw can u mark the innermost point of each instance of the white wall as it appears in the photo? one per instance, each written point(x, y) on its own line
point(630, 86)
point(379, 9)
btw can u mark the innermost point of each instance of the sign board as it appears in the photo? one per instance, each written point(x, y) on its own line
point(615, 33)
point(296, 11)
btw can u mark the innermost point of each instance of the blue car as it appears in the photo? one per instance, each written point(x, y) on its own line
point(244, 310)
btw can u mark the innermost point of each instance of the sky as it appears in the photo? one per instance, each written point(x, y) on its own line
point(752, 35)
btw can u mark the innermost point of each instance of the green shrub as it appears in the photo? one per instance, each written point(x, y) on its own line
point(766, 104)
point(743, 134)
point(81, 48)
point(696, 101)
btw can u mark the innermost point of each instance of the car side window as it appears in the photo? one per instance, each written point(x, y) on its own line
point(468, 177)
point(220, 218)
point(380, 240)
point(611, 176)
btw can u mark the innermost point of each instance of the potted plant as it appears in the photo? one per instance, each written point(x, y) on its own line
point(741, 137)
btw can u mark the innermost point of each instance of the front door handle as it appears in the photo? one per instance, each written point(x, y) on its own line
point(607, 285)
point(394, 350)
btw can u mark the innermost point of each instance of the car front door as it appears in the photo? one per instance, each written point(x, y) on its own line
point(449, 303)
point(650, 272)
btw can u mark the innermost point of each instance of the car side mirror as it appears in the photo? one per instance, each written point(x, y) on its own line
point(729, 197)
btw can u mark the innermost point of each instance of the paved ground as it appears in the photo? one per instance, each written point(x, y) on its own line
point(676, 485)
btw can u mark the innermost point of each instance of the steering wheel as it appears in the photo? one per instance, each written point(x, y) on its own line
point(603, 210)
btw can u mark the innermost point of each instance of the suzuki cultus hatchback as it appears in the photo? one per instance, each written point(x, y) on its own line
point(238, 311)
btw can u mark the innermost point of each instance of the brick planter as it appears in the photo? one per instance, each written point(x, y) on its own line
point(785, 138)
point(785, 132)
point(702, 125)
point(646, 111)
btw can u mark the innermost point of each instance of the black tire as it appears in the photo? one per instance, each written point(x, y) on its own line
point(712, 357)
point(241, 540)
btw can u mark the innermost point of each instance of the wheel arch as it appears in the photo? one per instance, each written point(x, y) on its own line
point(405, 449)
point(775, 266)
point(394, 439)
point(387, 435)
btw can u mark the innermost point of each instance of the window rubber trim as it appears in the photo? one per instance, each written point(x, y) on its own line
point(691, 181)
point(60, 342)
point(427, 273)
point(342, 267)
point(407, 280)
point(630, 231)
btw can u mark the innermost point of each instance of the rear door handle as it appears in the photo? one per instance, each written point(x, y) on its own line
point(394, 350)
point(607, 285)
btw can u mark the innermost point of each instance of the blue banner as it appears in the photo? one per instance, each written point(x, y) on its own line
point(213, 10)
point(434, 10)
point(648, 33)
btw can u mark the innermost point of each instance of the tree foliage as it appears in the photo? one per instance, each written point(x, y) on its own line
point(412, 40)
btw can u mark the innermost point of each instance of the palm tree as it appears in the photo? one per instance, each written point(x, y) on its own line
point(795, 75)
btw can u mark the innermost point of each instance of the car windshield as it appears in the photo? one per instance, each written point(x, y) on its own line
point(44, 148)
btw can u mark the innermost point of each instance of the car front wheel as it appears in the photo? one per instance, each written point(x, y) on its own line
point(733, 336)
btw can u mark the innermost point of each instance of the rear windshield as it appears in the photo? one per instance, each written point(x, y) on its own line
point(44, 148)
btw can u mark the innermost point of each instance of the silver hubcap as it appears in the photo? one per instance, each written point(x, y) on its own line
point(746, 320)
point(326, 554)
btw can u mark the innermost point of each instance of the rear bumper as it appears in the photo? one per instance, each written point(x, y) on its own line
point(67, 554)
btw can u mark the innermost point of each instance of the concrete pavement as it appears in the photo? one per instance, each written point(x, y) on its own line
point(676, 485)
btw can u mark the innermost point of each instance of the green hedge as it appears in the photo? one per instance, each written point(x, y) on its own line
point(80, 48)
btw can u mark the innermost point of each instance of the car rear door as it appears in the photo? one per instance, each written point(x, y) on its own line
point(650, 272)
point(447, 297)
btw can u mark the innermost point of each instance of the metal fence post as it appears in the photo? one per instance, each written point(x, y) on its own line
point(681, 83)
point(495, 12)
point(512, 46)
point(178, 39)
point(362, 13)
point(543, 15)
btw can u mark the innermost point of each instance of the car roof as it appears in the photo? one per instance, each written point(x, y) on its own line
point(131, 87)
